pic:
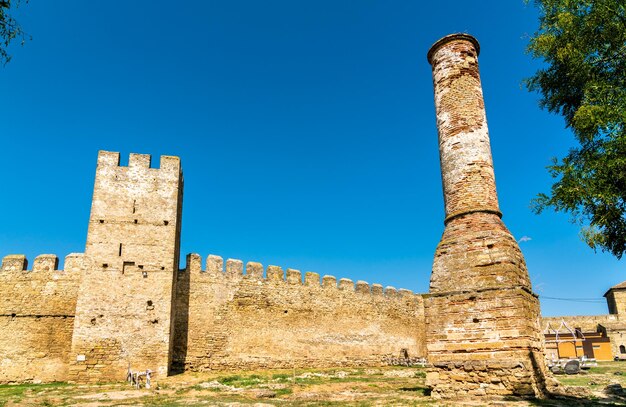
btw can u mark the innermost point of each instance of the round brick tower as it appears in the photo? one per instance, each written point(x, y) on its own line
point(482, 319)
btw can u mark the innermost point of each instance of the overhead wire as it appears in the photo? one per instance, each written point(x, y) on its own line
point(592, 300)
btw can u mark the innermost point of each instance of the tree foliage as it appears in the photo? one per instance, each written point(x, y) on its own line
point(9, 29)
point(583, 43)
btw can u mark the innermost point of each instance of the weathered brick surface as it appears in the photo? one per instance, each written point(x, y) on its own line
point(482, 320)
point(464, 149)
point(485, 343)
point(37, 317)
point(479, 245)
point(123, 313)
point(244, 321)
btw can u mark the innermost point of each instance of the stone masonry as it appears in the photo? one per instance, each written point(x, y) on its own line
point(37, 309)
point(482, 319)
point(228, 319)
point(126, 303)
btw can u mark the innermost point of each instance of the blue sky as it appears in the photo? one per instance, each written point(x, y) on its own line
point(306, 132)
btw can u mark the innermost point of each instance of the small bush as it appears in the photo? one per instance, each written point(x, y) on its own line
point(229, 380)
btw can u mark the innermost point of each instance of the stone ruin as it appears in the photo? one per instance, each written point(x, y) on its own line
point(482, 319)
point(126, 304)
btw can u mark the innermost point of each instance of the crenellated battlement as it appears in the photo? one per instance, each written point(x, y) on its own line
point(135, 161)
point(44, 263)
point(37, 309)
point(275, 274)
point(257, 316)
point(14, 262)
point(42, 291)
point(127, 301)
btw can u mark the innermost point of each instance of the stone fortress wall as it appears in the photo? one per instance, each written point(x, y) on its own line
point(126, 303)
point(37, 309)
point(228, 319)
point(587, 323)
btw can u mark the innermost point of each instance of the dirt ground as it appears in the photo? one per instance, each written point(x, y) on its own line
point(389, 386)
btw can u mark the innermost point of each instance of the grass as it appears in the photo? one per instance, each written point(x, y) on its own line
point(17, 392)
point(398, 386)
point(229, 380)
point(597, 377)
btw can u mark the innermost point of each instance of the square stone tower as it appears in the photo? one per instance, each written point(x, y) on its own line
point(616, 299)
point(482, 318)
point(124, 308)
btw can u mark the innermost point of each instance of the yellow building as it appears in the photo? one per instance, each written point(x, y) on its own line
point(600, 337)
point(593, 345)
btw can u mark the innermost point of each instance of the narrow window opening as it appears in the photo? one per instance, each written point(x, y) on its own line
point(475, 320)
point(135, 221)
point(489, 246)
point(140, 266)
point(101, 220)
point(134, 202)
point(165, 222)
point(120, 251)
point(162, 268)
point(622, 348)
point(105, 265)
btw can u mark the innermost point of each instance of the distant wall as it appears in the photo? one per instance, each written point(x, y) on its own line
point(37, 317)
point(585, 322)
point(228, 320)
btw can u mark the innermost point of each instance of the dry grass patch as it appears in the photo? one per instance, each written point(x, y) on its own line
point(388, 386)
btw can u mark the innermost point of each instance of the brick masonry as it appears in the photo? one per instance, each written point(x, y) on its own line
point(482, 319)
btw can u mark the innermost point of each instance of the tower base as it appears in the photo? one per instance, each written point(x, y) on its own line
point(485, 343)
